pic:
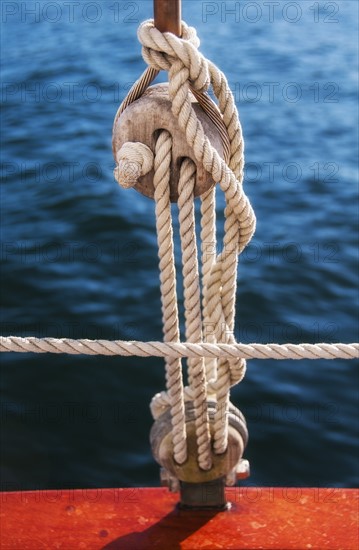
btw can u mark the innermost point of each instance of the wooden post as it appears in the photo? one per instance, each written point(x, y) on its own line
point(168, 16)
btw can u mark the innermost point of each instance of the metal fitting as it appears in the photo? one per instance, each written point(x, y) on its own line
point(241, 471)
point(168, 480)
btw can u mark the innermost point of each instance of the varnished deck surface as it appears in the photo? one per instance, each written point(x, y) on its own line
point(137, 519)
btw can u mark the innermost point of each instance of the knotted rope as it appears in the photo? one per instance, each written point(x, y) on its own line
point(133, 160)
point(189, 70)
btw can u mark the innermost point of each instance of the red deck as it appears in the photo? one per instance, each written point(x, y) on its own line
point(138, 519)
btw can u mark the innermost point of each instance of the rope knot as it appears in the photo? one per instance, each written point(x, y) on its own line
point(162, 50)
point(134, 160)
point(210, 377)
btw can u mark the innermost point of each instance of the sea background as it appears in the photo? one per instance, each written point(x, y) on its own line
point(79, 254)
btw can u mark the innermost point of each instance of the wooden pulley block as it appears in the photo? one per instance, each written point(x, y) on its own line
point(189, 471)
point(141, 122)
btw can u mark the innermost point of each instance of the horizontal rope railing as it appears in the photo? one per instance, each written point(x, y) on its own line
point(171, 349)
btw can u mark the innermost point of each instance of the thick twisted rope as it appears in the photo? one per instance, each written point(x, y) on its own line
point(192, 306)
point(135, 159)
point(208, 249)
point(174, 382)
point(190, 70)
point(185, 64)
point(180, 57)
point(140, 159)
point(178, 349)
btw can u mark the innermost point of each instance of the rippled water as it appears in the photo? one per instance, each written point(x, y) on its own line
point(79, 254)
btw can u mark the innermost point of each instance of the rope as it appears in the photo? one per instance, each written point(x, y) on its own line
point(208, 250)
point(184, 63)
point(178, 349)
point(192, 305)
point(133, 160)
point(174, 383)
point(213, 370)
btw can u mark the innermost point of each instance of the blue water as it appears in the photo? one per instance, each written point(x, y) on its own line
point(79, 256)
